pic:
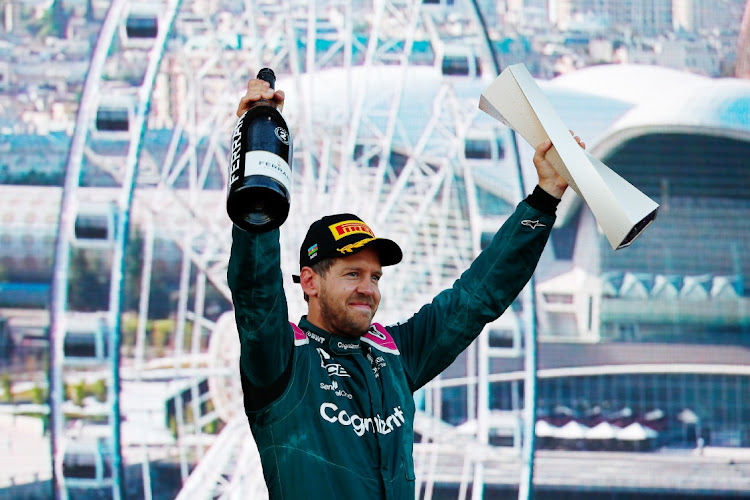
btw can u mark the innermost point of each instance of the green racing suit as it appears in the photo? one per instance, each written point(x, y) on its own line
point(333, 416)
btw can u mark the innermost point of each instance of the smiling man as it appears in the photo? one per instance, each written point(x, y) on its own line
point(330, 399)
point(340, 267)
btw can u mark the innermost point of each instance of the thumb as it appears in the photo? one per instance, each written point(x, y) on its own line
point(279, 97)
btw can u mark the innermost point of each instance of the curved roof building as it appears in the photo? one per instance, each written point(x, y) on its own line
point(683, 140)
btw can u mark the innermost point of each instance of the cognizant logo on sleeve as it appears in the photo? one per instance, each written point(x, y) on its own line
point(331, 413)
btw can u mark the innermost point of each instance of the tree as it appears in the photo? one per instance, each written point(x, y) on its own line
point(7, 385)
point(99, 389)
point(160, 332)
point(173, 425)
point(37, 395)
point(54, 22)
point(78, 392)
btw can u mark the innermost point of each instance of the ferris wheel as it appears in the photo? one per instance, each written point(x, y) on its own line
point(382, 101)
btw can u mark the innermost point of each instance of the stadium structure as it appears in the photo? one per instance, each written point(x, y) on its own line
point(655, 335)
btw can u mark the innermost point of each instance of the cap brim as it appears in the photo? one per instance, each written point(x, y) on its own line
point(389, 251)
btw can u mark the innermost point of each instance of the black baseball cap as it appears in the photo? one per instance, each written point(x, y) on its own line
point(341, 235)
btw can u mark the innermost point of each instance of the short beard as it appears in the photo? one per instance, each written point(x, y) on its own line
point(342, 320)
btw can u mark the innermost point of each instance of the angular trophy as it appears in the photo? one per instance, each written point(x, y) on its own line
point(622, 211)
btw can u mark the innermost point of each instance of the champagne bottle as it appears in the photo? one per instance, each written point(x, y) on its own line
point(260, 166)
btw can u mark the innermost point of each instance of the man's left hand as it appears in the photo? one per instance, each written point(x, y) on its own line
point(549, 180)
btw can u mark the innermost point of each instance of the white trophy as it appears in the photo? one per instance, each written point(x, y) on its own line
point(622, 211)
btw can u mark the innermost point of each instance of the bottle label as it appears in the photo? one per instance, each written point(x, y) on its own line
point(270, 165)
point(236, 151)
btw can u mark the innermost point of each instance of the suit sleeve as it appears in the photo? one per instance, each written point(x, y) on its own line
point(254, 277)
point(432, 339)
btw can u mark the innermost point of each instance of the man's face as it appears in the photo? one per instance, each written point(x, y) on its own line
point(349, 295)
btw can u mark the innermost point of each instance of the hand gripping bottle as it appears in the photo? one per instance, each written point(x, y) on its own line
point(260, 166)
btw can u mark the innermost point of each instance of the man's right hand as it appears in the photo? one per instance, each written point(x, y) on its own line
point(257, 89)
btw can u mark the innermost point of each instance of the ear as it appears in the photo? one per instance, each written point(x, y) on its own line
point(309, 281)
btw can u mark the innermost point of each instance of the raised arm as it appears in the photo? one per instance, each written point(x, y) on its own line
point(432, 339)
point(254, 277)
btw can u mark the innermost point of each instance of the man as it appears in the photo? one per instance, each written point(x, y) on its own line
point(329, 400)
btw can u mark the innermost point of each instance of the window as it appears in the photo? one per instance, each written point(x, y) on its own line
point(478, 149)
point(558, 298)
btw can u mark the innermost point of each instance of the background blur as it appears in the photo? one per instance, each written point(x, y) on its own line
point(118, 350)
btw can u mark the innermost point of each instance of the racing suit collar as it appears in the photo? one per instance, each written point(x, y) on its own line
point(337, 344)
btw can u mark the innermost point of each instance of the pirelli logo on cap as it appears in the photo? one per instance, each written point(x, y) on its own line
point(348, 227)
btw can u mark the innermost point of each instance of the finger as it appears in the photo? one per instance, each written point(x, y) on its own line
point(245, 102)
point(543, 147)
point(256, 83)
point(259, 89)
point(541, 151)
point(253, 95)
point(578, 139)
point(256, 89)
point(243, 105)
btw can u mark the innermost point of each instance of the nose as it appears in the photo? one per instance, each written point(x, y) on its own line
point(367, 287)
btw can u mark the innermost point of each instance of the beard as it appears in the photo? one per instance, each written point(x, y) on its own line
point(341, 319)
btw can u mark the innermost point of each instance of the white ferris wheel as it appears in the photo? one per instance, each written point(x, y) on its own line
point(382, 102)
